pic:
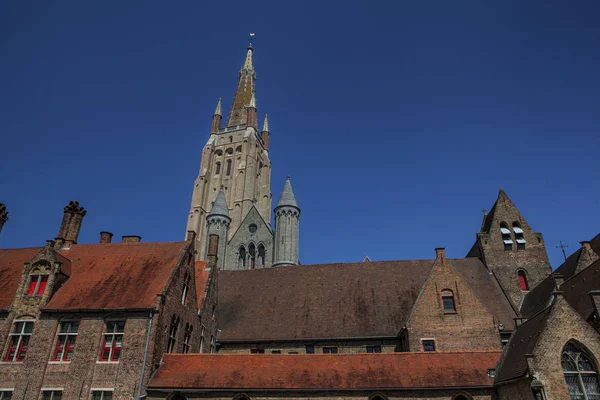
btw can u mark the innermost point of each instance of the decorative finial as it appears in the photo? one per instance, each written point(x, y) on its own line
point(248, 61)
point(252, 102)
point(266, 124)
point(218, 109)
point(250, 37)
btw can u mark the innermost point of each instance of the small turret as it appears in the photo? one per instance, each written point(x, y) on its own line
point(216, 119)
point(217, 225)
point(287, 221)
point(252, 118)
point(265, 132)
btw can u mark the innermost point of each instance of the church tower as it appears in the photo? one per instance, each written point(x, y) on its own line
point(235, 158)
point(287, 220)
point(511, 249)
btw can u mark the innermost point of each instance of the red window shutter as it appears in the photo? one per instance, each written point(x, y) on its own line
point(43, 282)
point(32, 285)
point(523, 281)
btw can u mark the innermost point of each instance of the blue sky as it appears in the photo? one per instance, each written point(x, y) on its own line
point(397, 121)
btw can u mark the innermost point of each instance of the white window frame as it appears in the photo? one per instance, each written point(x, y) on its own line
point(423, 345)
point(61, 390)
point(103, 390)
point(113, 334)
point(6, 390)
point(37, 284)
point(69, 335)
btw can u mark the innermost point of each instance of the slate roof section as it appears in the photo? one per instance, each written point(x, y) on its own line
point(575, 290)
point(514, 364)
point(220, 205)
point(344, 300)
point(287, 198)
point(325, 371)
point(11, 268)
point(116, 275)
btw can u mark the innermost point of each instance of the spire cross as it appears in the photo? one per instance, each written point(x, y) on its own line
point(250, 38)
point(563, 247)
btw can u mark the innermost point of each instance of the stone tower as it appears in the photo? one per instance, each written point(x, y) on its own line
point(287, 220)
point(217, 224)
point(510, 248)
point(235, 158)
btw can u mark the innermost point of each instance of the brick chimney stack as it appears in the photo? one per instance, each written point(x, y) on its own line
point(440, 253)
point(3, 215)
point(213, 250)
point(131, 239)
point(70, 225)
point(105, 237)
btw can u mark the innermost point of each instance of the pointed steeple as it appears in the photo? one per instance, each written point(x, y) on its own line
point(220, 205)
point(266, 124)
point(238, 115)
point(287, 198)
point(218, 109)
point(216, 119)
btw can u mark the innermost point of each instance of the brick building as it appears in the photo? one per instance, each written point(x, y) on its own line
point(229, 313)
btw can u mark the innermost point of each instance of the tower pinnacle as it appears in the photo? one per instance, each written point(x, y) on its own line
point(266, 124)
point(238, 114)
point(218, 109)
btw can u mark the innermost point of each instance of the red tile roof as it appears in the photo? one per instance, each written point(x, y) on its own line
point(11, 268)
point(325, 371)
point(201, 280)
point(117, 275)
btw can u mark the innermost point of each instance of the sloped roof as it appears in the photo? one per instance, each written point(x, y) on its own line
point(343, 300)
point(325, 371)
point(514, 364)
point(319, 301)
point(11, 268)
point(116, 275)
point(201, 275)
point(487, 289)
point(575, 290)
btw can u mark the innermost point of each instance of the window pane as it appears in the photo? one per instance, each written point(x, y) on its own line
point(42, 287)
point(96, 395)
point(32, 285)
point(448, 303)
point(107, 396)
point(108, 339)
point(47, 395)
point(28, 327)
point(119, 340)
point(120, 329)
point(574, 389)
point(116, 354)
point(18, 327)
point(590, 383)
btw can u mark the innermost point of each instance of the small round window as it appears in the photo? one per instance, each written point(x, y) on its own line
point(252, 228)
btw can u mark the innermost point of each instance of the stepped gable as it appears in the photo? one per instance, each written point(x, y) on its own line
point(344, 300)
point(11, 269)
point(116, 275)
point(514, 364)
point(335, 371)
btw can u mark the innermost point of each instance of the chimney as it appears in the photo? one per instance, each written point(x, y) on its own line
point(440, 253)
point(105, 237)
point(131, 239)
point(70, 225)
point(213, 249)
point(3, 215)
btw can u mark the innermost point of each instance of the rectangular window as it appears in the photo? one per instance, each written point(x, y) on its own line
point(51, 394)
point(257, 351)
point(448, 302)
point(102, 394)
point(374, 349)
point(113, 341)
point(65, 342)
point(429, 345)
point(310, 349)
point(19, 341)
point(330, 350)
point(37, 285)
point(5, 394)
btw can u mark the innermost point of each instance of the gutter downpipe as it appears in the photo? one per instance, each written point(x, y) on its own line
point(139, 394)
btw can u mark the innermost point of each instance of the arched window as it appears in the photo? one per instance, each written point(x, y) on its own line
point(523, 280)
point(581, 373)
point(519, 238)
point(261, 255)
point(377, 396)
point(448, 301)
point(252, 253)
point(242, 257)
point(172, 334)
point(218, 168)
point(228, 171)
point(506, 238)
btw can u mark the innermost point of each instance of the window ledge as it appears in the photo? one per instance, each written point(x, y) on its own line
point(107, 362)
point(11, 362)
point(59, 362)
point(450, 312)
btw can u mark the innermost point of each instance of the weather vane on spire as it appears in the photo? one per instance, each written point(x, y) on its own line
point(250, 38)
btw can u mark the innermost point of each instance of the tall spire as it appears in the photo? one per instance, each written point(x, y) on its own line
point(218, 109)
point(287, 198)
point(238, 114)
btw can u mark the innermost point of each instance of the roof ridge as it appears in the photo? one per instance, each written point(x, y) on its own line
point(335, 355)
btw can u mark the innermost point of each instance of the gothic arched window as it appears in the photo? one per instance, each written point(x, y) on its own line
point(523, 280)
point(228, 171)
point(252, 253)
point(261, 254)
point(580, 372)
point(242, 257)
point(218, 168)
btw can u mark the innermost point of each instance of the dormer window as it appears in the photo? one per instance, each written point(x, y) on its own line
point(37, 285)
point(519, 238)
point(506, 238)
